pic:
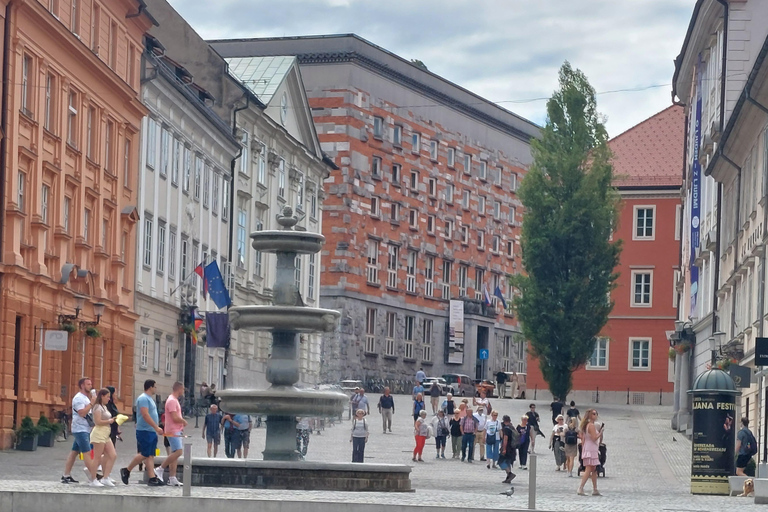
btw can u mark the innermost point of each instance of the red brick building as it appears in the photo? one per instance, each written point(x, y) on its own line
point(423, 210)
point(631, 359)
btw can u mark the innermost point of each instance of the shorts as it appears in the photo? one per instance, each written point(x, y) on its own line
point(146, 442)
point(100, 434)
point(82, 442)
point(245, 438)
point(175, 442)
point(216, 440)
point(742, 461)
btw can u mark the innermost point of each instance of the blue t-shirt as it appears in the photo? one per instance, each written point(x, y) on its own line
point(242, 420)
point(417, 390)
point(145, 400)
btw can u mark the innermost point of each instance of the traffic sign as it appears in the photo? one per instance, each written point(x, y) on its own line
point(483, 353)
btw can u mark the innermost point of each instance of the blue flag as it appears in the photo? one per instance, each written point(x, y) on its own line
point(216, 288)
point(497, 293)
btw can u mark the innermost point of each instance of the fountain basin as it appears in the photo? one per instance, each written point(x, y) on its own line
point(296, 319)
point(300, 242)
point(283, 401)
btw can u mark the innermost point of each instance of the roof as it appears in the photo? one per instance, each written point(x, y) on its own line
point(650, 154)
point(262, 75)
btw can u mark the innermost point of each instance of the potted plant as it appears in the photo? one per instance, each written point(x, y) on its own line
point(92, 332)
point(672, 354)
point(26, 435)
point(69, 327)
point(48, 431)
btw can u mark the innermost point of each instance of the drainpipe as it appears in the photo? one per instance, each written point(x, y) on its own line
point(232, 216)
point(4, 142)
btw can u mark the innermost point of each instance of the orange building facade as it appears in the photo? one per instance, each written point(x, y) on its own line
point(631, 362)
point(71, 122)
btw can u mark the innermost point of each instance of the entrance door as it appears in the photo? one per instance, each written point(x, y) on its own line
point(17, 369)
point(481, 366)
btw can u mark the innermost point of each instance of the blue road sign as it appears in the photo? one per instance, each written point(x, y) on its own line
point(483, 353)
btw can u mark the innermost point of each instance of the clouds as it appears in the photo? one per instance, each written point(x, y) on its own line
point(500, 49)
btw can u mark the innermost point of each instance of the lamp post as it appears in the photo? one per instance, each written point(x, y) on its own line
point(715, 342)
point(79, 303)
point(98, 311)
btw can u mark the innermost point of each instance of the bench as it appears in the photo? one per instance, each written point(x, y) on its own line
point(761, 491)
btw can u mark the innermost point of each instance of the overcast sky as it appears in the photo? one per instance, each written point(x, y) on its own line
point(508, 51)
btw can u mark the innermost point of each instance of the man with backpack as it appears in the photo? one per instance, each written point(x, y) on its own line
point(746, 447)
point(510, 440)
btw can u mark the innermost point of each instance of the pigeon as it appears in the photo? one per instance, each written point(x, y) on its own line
point(508, 493)
point(674, 438)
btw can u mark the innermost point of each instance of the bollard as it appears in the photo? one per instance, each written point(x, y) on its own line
point(661, 390)
point(532, 481)
point(187, 472)
point(597, 395)
point(627, 396)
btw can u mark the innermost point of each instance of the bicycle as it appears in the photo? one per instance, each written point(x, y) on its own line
point(66, 419)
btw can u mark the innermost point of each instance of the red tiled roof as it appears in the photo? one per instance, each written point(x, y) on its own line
point(650, 153)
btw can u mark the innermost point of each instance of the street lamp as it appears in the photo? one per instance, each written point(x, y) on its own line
point(715, 342)
point(79, 302)
point(98, 310)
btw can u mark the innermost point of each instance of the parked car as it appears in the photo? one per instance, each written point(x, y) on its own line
point(487, 385)
point(445, 388)
point(520, 385)
point(462, 384)
point(348, 386)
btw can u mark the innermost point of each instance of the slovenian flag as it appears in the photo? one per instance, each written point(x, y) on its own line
point(486, 296)
point(200, 270)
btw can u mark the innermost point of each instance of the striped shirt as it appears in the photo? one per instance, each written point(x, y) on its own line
point(468, 424)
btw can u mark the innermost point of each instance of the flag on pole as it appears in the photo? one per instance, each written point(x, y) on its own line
point(200, 270)
point(497, 293)
point(215, 283)
point(486, 296)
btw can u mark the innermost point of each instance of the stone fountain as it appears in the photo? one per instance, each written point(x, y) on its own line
point(287, 318)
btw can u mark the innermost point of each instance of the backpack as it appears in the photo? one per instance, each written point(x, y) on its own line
point(514, 439)
point(751, 444)
point(571, 436)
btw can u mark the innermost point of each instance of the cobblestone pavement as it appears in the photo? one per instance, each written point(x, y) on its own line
point(646, 469)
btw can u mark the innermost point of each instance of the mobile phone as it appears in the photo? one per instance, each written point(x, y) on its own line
point(602, 427)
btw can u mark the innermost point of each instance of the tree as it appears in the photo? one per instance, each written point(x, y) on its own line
point(571, 209)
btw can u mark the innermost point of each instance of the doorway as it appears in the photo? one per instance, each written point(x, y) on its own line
point(17, 369)
point(481, 366)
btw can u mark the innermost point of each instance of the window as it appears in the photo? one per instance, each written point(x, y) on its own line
point(245, 141)
point(207, 186)
point(397, 135)
point(431, 224)
point(465, 196)
point(481, 240)
point(75, 17)
point(160, 247)
point(679, 208)
point(215, 194)
point(389, 347)
point(313, 201)
point(225, 200)
point(44, 198)
point(370, 330)
point(394, 213)
point(512, 214)
point(433, 146)
point(429, 276)
point(281, 179)
point(496, 244)
point(262, 173)
point(410, 273)
point(72, 119)
point(113, 34)
point(496, 210)
point(376, 167)
point(156, 359)
point(409, 330)
point(481, 205)
point(21, 191)
point(168, 357)
point(50, 108)
point(396, 168)
point(144, 352)
point(373, 261)
point(511, 248)
point(26, 85)
point(297, 273)
point(599, 358)
point(242, 216)
point(66, 213)
point(151, 147)
point(413, 218)
point(109, 134)
point(415, 142)
point(95, 21)
point(451, 157)
point(87, 225)
point(90, 133)
point(448, 229)
point(147, 240)
point(184, 257)
point(644, 217)
point(311, 277)
point(378, 127)
point(467, 164)
point(513, 181)
point(463, 280)
point(393, 254)
point(187, 169)
point(53, 7)
point(464, 235)
point(479, 281)
point(447, 270)
point(639, 354)
point(449, 189)
point(427, 341)
point(257, 257)
point(165, 139)
point(172, 254)
point(432, 187)
point(198, 176)
point(642, 288)
point(414, 183)
point(483, 174)
point(127, 163)
point(497, 176)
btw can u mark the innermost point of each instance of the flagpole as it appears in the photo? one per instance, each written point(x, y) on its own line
point(183, 281)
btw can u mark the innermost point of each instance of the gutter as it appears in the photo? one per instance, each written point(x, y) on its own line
point(686, 41)
point(4, 145)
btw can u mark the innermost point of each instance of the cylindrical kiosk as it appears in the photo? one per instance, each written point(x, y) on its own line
point(714, 432)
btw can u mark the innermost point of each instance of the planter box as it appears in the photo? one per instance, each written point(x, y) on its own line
point(28, 444)
point(47, 439)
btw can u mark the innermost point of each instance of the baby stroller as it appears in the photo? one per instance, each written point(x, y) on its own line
point(602, 454)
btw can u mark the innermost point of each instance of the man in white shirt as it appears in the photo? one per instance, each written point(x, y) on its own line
point(481, 418)
point(82, 403)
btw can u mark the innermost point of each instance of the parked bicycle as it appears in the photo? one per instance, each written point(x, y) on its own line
point(66, 419)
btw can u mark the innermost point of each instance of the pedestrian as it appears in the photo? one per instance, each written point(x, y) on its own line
point(746, 447)
point(359, 436)
point(212, 429)
point(418, 406)
point(421, 433)
point(205, 391)
point(353, 401)
point(362, 402)
point(114, 430)
point(303, 431)
point(557, 409)
point(573, 412)
point(421, 376)
point(483, 401)
point(571, 444)
point(174, 433)
point(448, 406)
point(533, 422)
point(509, 444)
point(590, 450)
point(82, 406)
point(557, 441)
point(501, 381)
point(455, 426)
point(468, 427)
point(482, 418)
point(387, 410)
point(492, 439)
point(241, 437)
point(524, 430)
point(229, 429)
point(441, 433)
point(514, 383)
point(147, 430)
point(463, 407)
point(434, 394)
point(100, 440)
point(417, 389)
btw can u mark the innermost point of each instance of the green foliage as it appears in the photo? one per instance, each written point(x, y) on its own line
point(92, 332)
point(45, 425)
point(571, 209)
point(26, 429)
point(69, 327)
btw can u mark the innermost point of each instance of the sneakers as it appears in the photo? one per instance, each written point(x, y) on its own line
point(443, 455)
point(155, 482)
point(96, 483)
point(159, 471)
point(173, 481)
point(68, 480)
point(125, 475)
point(107, 482)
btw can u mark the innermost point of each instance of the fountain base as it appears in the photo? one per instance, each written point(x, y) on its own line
point(303, 476)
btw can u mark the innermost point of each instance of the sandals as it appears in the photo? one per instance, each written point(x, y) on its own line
point(581, 492)
point(596, 493)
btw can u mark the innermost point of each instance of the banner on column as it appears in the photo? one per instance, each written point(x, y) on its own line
point(696, 192)
point(456, 332)
point(714, 438)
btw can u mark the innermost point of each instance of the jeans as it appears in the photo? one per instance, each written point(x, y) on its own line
point(229, 450)
point(456, 445)
point(386, 419)
point(358, 449)
point(522, 450)
point(468, 444)
point(492, 451)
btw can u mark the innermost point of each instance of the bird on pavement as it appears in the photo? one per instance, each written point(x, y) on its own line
point(674, 438)
point(508, 493)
